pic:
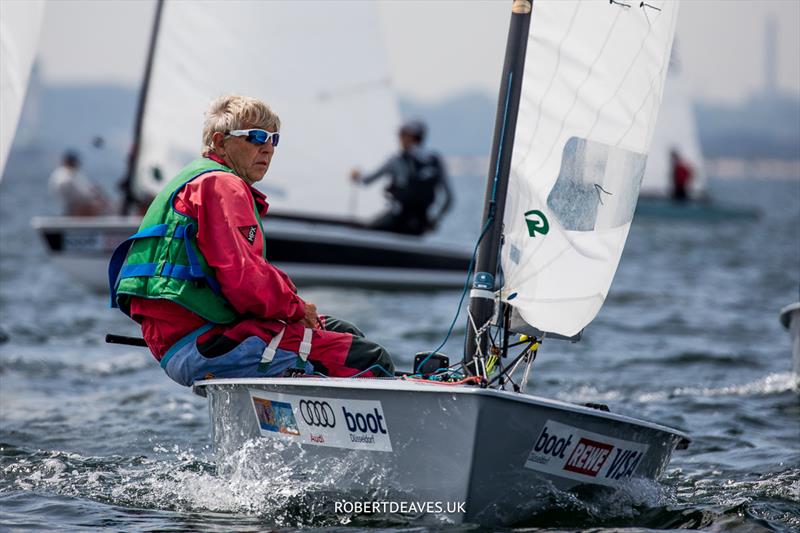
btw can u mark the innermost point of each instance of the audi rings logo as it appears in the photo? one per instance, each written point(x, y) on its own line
point(317, 413)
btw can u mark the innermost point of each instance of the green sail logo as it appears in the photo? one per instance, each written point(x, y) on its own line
point(537, 222)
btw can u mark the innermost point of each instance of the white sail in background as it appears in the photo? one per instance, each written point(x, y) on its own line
point(19, 38)
point(594, 73)
point(320, 65)
point(676, 129)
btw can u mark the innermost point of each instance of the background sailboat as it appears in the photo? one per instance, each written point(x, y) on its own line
point(676, 130)
point(579, 111)
point(326, 76)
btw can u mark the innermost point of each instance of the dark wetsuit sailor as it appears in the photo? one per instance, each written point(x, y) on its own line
point(197, 278)
point(417, 182)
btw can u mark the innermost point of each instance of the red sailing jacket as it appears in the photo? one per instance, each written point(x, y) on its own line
point(232, 243)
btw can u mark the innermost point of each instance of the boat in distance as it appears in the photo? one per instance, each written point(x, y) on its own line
point(311, 251)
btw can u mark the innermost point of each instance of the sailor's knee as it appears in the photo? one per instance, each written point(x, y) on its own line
point(342, 326)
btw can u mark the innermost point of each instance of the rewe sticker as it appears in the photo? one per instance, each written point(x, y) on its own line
point(249, 233)
point(574, 453)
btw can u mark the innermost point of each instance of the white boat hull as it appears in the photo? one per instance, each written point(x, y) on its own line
point(496, 453)
point(312, 253)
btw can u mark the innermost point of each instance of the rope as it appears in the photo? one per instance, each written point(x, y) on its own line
point(463, 292)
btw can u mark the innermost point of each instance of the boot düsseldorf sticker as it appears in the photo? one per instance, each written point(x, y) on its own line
point(352, 424)
point(574, 453)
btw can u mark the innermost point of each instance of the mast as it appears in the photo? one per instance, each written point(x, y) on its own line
point(126, 185)
point(481, 301)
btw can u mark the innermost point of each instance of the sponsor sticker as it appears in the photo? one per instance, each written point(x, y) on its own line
point(352, 424)
point(276, 417)
point(574, 453)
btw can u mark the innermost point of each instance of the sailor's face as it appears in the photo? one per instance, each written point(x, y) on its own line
point(406, 140)
point(250, 161)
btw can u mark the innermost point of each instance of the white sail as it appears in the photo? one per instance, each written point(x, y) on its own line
point(676, 129)
point(594, 73)
point(320, 65)
point(19, 38)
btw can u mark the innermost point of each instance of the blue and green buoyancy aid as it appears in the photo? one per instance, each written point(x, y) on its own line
point(162, 259)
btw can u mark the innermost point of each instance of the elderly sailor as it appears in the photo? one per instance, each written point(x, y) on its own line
point(197, 279)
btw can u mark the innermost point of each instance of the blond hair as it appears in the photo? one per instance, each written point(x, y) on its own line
point(234, 112)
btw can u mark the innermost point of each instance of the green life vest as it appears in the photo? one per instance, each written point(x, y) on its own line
point(162, 259)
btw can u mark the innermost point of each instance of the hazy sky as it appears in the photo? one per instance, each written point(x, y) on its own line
point(437, 47)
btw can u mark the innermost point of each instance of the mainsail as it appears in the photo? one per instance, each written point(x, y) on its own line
point(19, 39)
point(320, 65)
point(591, 90)
point(676, 130)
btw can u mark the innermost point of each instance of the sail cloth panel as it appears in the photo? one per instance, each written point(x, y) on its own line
point(19, 40)
point(594, 73)
point(320, 65)
point(676, 130)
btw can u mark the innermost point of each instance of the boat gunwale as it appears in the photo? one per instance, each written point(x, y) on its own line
point(416, 386)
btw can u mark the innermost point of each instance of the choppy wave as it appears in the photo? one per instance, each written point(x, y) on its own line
point(775, 383)
point(54, 366)
point(770, 384)
point(695, 358)
point(277, 494)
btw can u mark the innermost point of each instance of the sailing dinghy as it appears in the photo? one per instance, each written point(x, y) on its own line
point(578, 102)
point(676, 129)
point(337, 115)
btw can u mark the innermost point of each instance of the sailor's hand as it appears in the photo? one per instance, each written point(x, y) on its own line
point(311, 320)
point(355, 175)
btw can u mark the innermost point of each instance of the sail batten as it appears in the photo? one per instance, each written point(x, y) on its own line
point(594, 75)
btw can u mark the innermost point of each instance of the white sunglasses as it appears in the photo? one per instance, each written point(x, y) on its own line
point(257, 136)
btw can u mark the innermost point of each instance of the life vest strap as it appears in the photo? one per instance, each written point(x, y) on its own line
point(121, 253)
point(194, 271)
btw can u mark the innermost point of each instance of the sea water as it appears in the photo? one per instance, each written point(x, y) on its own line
point(96, 436)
